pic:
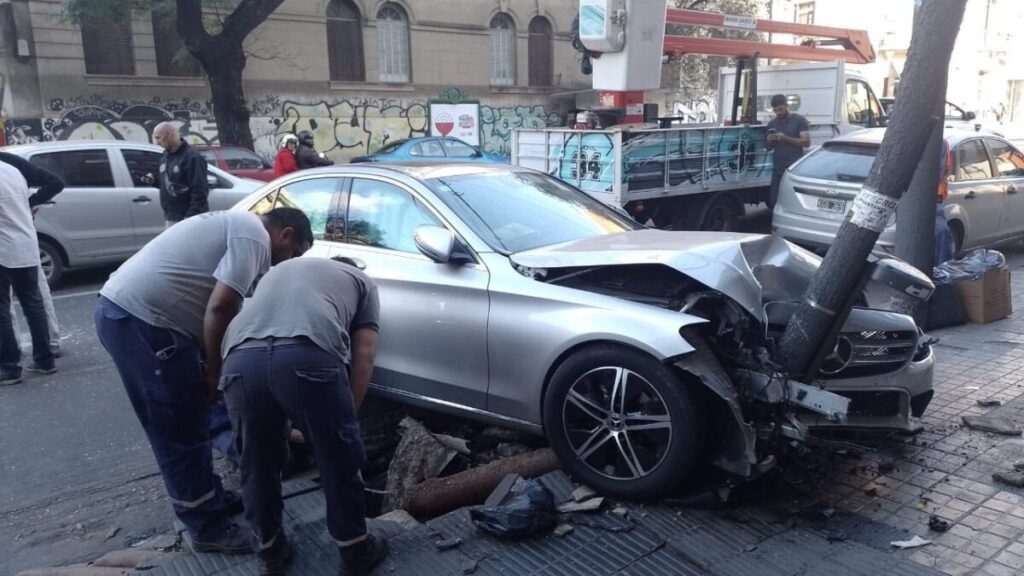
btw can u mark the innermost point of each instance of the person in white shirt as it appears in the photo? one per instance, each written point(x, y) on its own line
point(19, 264)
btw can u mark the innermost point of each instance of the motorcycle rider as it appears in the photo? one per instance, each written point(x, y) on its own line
point(306, 155)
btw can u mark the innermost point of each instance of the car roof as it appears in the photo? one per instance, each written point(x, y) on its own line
point(23, 149)
point(873, 136)
point(421, 170)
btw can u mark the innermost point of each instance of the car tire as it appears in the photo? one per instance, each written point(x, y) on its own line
point(956, 232)
point(722, 213)
point(52, 262)
point(638, 447)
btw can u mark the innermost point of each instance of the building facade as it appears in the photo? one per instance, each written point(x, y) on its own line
point(357, 73)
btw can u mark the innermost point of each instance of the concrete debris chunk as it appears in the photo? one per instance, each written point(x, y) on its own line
point(989, 403)
point(111, 533)
point(1012, 478)
point(591, 505)
point(563, 530)
point(160, 543)
point(420, 456)
point(125, 558)
point(400, 517)
point(915, 542)
point(469, 565)
point(447, 543)
point(993, 424)
point(583, 493)
point(1018, 466)
point(502, 490)
point(621, 511)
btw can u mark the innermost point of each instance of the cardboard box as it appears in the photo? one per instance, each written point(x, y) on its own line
point(987, 299)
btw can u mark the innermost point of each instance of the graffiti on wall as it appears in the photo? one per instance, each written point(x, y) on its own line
point(342, 128)
point(696, 111)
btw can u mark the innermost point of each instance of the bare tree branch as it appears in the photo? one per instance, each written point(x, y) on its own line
point(247, 16)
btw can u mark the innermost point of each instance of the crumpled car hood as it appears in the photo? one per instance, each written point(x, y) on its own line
point(751, 269)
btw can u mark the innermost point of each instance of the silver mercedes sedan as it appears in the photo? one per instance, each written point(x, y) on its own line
point(510, 297)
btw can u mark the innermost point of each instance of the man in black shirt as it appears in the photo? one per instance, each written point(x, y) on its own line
point(184, 190)
point(788, 135)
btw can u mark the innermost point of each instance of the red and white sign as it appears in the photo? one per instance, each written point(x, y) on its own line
point(460, 121)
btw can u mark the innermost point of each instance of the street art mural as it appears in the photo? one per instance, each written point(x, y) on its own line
point(696, 111)
point(650, 160)
point(343, 128)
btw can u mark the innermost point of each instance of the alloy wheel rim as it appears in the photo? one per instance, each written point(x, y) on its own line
point(617, 423)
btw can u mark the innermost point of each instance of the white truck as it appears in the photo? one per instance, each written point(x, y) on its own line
point(699, 177)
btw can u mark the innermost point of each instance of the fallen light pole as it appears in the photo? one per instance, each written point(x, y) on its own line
point(830, 295)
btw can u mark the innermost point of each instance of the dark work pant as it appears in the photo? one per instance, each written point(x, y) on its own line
point(25, 282)
point(161, 372)
point(264, 387)
point(773, 192)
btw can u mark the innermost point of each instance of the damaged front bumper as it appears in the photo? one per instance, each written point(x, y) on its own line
point(760, 410)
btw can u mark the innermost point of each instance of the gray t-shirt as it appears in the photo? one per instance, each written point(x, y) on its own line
point(792, 126)
point(320, 299)
point(168, 283)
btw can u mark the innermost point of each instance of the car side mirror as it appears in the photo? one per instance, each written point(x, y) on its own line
point(212, 181)
point(435, 243)
point(970, 116)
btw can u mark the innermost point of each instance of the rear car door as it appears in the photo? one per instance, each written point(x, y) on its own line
point(980, 195)
point(147, 215)
point(433, 316)
point(1008, 167)
point(318, 197)
point(92, 216)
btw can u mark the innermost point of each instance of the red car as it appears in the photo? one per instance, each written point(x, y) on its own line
point(238, 161)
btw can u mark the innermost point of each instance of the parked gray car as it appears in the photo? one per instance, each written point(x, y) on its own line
point(510, 297)
point(107, 213)
point(984, 177)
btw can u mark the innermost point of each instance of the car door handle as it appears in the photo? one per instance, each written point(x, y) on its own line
point(357, 262)
point(142, 199)
point(970, 195)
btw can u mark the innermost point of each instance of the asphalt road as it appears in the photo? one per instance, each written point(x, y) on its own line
point(75, 466)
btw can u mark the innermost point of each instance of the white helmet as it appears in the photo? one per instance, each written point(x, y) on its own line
point(288, 138)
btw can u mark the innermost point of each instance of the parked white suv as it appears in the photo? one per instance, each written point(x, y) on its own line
point(984, 176)
point(106, 213)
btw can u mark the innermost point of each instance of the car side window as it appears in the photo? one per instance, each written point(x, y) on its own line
point(430, 148)
point(972, 161)
point(210, 156)
point(78, 168)
point(1008, 160)
point(140, 164)
point(385, 216)
point(458, 149)
point(241, 159)
point(314, 196)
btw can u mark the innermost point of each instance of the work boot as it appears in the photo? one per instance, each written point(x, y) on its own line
point(10, 376)
point(45, 369)
point(274, 560)
point(362, 558)
point(234, 540)
point(233, 502)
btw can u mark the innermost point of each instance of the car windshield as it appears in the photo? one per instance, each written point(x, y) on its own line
point(517, 211)
point(390, 146)
point(840, 162)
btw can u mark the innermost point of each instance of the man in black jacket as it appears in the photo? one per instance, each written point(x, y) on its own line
point(183, 186)
point(19, 263)
point(306, 156)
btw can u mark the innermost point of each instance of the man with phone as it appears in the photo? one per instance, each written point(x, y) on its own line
point(788, 135)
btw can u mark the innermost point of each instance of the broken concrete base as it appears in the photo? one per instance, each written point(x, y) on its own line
point(993, 424)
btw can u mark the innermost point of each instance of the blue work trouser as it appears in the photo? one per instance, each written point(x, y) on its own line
point(162, 374)
point(25, 282)
point(268, 385)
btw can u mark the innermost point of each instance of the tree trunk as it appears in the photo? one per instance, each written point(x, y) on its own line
point(829, 295)
point(229, 107)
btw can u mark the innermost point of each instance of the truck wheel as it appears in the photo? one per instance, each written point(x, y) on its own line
point(622, 422)
point(721, 214)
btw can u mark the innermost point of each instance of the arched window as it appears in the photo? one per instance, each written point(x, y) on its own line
point(171, 57)
point(541, 52)
point(393, 43)
point(503, 50)
point(345, 42)
point(108, 47)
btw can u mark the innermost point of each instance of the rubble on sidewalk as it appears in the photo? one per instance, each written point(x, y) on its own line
point(993, 424)
point(420, 456)
point(1015, 479)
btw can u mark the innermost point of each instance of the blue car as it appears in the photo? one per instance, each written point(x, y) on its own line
point(432, 149)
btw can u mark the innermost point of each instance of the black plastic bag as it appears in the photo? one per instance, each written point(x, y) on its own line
point(529, 513)
point(972, 266)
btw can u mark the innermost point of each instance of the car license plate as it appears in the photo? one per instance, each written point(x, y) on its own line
point(832, 205)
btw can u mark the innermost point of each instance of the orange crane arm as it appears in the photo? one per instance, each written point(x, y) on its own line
point(854, 46)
